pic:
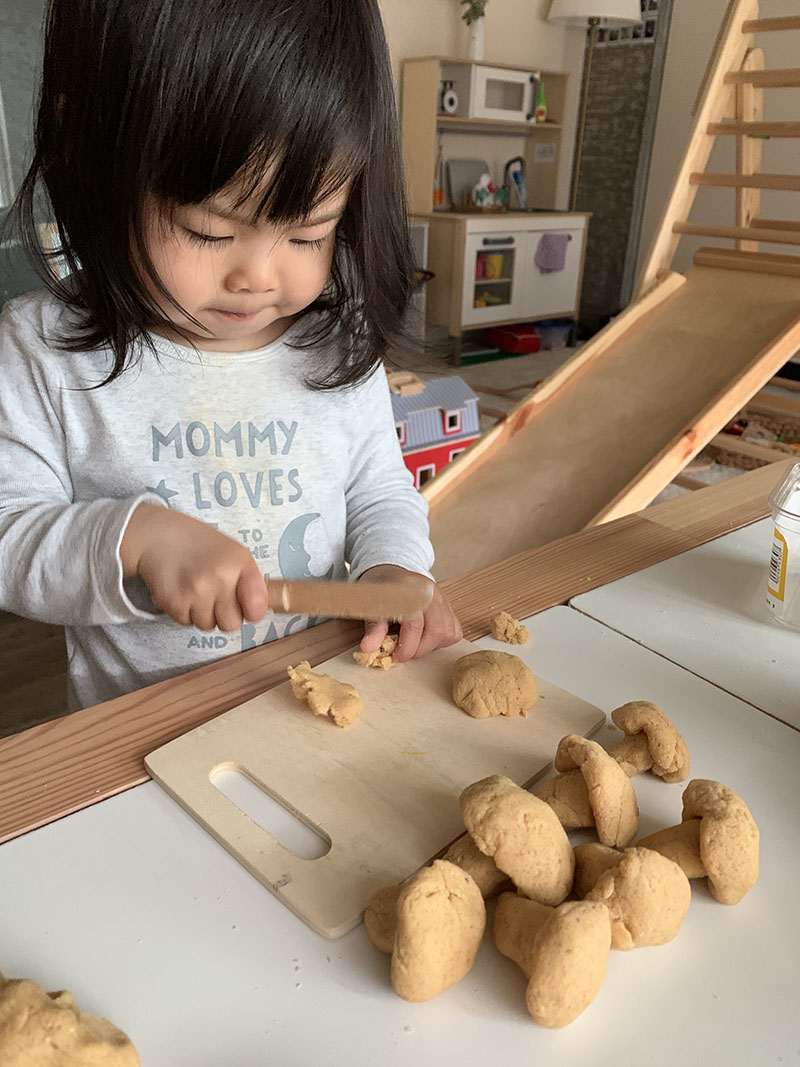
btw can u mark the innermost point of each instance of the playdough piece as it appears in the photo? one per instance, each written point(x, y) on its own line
point(486, 874)
point(506, 628)
point(382, 658)
point(563, 951)
point(324, 695)
point(591, 790)
point(646, 894)
point(717, 839)
point(39, 1029)
point(380, 917)
point(440, 922)
point(651, 743)
point(490, 683)
point(522, 835)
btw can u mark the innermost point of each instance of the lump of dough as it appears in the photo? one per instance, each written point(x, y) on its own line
point(440, 922)
point(506, 628)
point(382, 658)
point(647, 895)
point(490, 683)
point(324, 695)
point(522, 835)
point(46, 1029)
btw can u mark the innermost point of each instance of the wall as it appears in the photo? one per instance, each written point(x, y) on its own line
point(693, 32)
point(517, 31)
point(20, 56)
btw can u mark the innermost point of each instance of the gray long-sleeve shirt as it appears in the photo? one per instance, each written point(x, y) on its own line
point(307, 480)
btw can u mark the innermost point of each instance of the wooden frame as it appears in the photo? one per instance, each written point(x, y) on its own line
point(602, 436)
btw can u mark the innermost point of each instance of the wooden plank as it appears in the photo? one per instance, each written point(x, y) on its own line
point(495, 440)
point(622, 428)
point(771, 25)
point(734, 233)
point(763, 262)
point(783, 182)
point(765, 79)
point(749, 150)
point(419, 94)
point(769, 404)
point(61, 767)
point(685, 482)
point(729, 54)
point(754, 129)
point(730, 443)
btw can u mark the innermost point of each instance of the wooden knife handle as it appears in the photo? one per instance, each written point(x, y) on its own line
point(349, 600)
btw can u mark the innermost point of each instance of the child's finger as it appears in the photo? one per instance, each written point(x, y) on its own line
point(374, 633)
point(251, 592)
point(410, 635)
point(228, 614)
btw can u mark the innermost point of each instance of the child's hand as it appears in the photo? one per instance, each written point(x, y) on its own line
point(437, 628)
point(196, 575)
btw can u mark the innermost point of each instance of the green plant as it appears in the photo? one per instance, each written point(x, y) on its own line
point(476, 9)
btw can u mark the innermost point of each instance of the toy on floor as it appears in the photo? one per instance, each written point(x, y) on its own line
point(435, 420)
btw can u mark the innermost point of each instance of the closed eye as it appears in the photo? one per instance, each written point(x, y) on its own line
point(204, 238)
point(310, 246)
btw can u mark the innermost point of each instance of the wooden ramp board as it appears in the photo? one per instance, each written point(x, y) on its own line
point(604, 435)
point(383, 791)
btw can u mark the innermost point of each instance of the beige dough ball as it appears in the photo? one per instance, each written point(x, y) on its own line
point(440, 922)
point(46, 1029)
point(488, 683)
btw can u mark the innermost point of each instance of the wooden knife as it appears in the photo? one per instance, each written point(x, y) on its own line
point(349, 600)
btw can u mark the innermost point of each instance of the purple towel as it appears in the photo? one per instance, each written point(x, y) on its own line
point(552, 252)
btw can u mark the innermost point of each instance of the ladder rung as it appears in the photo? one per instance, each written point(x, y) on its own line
point(738, 233)
point(765, 79)
point(761, 262)
point(788, 22)
point(775, 224)
point(785, 182)
point(756, 129)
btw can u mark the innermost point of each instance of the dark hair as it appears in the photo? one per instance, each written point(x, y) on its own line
point(178, 97)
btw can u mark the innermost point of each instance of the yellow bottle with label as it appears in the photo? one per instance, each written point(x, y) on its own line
point(783, 576)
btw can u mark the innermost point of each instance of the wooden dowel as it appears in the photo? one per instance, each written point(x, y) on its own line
point(755, 129)
point(785, 383)
point(737, 233)
point(762, 262)
point(788, 22)
point(784, 182)
point(765, 79)
point(775, 224)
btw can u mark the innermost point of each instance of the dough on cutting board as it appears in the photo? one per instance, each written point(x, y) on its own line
point(46, 1029)
point(506, 628)
point(324, 695)
point(488, 683)
point(382, 658)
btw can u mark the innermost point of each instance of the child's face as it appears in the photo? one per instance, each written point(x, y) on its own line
point(243, 282)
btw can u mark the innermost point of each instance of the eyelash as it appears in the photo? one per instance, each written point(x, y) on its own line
point(206, 239)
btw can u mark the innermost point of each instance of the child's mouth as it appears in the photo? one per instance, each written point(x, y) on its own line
point(237, 316)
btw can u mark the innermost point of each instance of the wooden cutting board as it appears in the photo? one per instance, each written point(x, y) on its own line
point(383, 791)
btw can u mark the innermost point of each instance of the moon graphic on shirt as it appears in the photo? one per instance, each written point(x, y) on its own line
point(293, 559)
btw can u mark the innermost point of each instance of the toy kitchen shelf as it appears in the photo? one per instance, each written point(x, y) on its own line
point(485, 263)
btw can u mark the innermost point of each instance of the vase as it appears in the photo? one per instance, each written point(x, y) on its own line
point(477, 41)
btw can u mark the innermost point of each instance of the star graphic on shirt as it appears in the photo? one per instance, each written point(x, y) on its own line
point(162, 491)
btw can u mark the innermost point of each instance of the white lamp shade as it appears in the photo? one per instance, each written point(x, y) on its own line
point(611, 13)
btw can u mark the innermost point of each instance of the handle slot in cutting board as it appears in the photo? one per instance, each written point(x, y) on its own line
point(384, 791)
point(268, 812)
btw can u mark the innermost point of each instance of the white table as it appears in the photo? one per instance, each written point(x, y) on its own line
point(151, 923)
point(706, 610)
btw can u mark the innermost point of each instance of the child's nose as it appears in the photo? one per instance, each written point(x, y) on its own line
point(256, 273)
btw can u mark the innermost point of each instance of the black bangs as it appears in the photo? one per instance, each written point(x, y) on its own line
point(281, 103)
